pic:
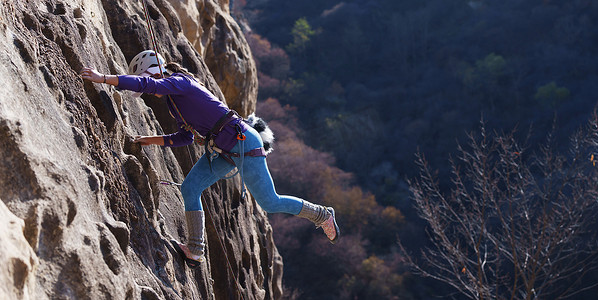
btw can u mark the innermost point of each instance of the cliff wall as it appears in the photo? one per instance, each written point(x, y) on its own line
point(83, 215)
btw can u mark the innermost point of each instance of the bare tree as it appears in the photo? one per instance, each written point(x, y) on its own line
point(512, 225)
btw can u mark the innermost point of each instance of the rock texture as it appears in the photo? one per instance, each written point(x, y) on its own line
point(218, 38)
point(17, 257)
point(85, 216)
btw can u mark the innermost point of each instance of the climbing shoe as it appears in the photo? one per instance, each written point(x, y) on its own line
point(330, 227)
point(322, 217)
point(193, 261)
point(193, 251)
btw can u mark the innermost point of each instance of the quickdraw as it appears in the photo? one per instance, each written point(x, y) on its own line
point(166, 182)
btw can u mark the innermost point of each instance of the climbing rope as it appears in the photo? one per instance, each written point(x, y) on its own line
point(200, 140)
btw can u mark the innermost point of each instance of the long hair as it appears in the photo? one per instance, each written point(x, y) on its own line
point(177, 68)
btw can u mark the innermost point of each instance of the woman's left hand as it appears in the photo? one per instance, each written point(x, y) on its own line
point(149, 140)
point(92, 75)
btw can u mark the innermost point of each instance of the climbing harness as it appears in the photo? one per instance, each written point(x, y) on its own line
point(212, 151)
point(199, 139)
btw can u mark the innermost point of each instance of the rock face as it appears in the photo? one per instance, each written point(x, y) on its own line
point(217, 37)
point(85, 215)
point(17, 257)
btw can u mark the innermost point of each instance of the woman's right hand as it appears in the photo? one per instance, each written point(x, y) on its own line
point(92, 75)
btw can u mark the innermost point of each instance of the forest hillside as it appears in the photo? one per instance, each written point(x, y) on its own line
point(356, 89)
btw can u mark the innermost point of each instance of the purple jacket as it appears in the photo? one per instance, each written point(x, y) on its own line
point(199, 107)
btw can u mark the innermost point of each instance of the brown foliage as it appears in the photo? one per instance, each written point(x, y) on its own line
point(273, 64)
point(355, 206)
point(306, 172)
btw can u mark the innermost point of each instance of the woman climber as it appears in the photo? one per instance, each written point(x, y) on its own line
point(198, 111)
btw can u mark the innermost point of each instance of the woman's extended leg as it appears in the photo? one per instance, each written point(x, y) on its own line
point(259, 182)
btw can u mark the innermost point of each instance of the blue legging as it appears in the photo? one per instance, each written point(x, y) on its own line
point(255, 174)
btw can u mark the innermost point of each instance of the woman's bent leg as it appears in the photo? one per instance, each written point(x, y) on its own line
point(199, 178)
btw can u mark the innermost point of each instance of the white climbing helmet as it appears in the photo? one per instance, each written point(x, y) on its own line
point(146, 64)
